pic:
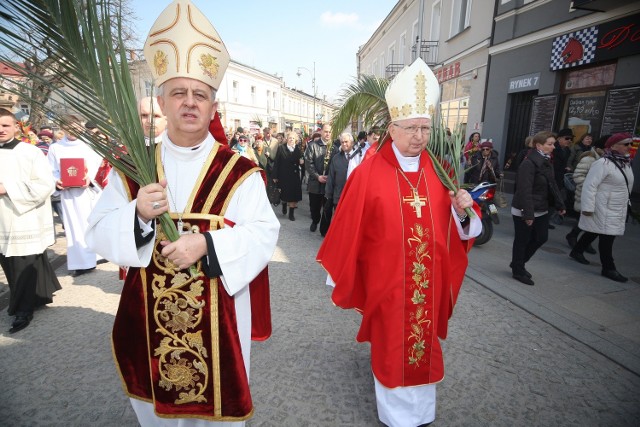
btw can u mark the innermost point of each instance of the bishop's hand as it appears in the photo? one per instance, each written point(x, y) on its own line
point(152, 201)
point(185, 251)
point(461, 201)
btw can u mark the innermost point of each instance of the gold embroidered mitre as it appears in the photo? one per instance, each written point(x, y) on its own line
point(413, 92)
point(183, 43)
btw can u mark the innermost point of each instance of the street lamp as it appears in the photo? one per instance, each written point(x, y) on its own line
point(313, 85)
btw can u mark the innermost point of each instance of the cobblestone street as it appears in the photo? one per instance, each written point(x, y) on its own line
point(504, 365)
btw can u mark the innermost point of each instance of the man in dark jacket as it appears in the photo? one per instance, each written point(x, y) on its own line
point(316, 160)
point(336, 179)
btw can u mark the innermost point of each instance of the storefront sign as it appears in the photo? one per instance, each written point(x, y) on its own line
point(619, 38)
point(524, 83)
point(598, 43)
point(448, 72)
point(584, 113)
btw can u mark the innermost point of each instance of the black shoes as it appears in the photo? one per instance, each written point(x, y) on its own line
point(579, 257)
point(291, 217)
point(82, 271)
point(314, 227)
point(589, 249)
point(614, 275)
point(522, 278)
point(284, 209)
point(571, 240)
point(20, 322)
point(522, 272)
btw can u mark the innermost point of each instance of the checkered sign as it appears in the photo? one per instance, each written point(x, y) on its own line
point(574, 49)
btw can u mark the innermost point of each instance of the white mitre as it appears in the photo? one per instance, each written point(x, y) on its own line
point(413, 92)
point(183, 43)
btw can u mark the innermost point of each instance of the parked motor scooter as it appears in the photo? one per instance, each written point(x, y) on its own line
point(483, 195)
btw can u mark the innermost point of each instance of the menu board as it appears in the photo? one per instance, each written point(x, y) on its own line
point(543, 113)
point(621, 111)
point(584, 113)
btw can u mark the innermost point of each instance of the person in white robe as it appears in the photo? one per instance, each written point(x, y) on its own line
point(124, 230)
point(77, 202)
point(26, 224)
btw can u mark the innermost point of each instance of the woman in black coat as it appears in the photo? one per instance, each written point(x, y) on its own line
point(535, 187)
point(286, 173)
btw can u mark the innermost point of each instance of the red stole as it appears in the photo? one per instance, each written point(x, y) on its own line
point(403, 273)
point(175, 337)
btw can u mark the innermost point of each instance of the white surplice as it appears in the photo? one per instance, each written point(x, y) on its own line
point(26, 221)
point(76, 203)
point(242, 250)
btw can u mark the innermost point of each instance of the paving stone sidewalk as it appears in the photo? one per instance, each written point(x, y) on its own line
point(504, 365)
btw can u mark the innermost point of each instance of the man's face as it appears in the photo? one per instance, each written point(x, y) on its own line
point(346, 145)
point(159, 120)
point(326, 133)
point(411, 136)
point(189, 108)
point(565, 141)
point(374, 137)
point(267, 134)
point(8, 129)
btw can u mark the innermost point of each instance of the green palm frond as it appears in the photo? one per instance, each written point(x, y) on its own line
point(364, 99)
point(92, 73)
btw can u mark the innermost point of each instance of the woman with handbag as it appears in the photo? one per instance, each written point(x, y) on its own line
point(286, 173)
point(604, 203)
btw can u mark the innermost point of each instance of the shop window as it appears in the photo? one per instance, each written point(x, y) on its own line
point(463, 86)
point(583, 112)
point(455, 113)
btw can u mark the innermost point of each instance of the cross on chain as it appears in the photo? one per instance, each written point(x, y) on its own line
point(416, 202)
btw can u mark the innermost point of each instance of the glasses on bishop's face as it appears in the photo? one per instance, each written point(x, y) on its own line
point(413, 129)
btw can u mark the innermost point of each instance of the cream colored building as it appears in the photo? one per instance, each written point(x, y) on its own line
point(452, 37)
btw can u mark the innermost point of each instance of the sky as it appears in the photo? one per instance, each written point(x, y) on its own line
point(278, 36)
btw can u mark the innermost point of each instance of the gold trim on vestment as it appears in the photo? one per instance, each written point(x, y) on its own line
point(235, 186)
point(219, 183)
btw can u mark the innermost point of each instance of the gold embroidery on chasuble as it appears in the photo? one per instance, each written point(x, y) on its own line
point(418, 270)
point(178, 311)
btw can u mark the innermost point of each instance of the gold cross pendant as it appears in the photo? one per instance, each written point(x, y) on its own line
point(416, 202)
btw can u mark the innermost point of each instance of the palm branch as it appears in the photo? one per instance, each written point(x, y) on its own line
point(93, 70)
point(365, 98)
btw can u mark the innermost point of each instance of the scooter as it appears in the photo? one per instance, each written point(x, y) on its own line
point(483, 195)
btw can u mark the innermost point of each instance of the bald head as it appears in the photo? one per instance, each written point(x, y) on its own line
point(144, 111)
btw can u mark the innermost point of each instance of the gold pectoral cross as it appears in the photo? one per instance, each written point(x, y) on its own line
point(416, 202)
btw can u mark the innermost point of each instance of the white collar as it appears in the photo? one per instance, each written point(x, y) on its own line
point(407, 164)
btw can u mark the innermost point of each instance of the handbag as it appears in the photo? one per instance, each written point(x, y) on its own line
point(569, 183)
point(273, 193)
point(500, 199)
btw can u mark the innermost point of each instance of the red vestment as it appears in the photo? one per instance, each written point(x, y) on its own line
point(403, 273)
point(175, 337)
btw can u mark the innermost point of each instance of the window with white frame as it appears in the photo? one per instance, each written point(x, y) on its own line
point(253, 95)
point(403, 47)
point(460, 16)
point(268, 102)
point(374, 68)
point(392, 54)
point(382, 65)
point(275, 100)
point(435, 21)
point(235, 91)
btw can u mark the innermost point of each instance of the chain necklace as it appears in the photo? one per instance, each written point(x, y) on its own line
point(180, 223)
point(415, 201)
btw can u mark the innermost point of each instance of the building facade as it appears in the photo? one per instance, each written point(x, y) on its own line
point(555, 65)
point(452, 37)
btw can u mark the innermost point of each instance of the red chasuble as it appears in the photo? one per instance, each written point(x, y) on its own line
point(175, 337)
point(396, 256)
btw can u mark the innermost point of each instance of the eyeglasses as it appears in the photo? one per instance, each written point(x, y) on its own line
point(413, 130)
point(626, 144)
point(486, 149)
